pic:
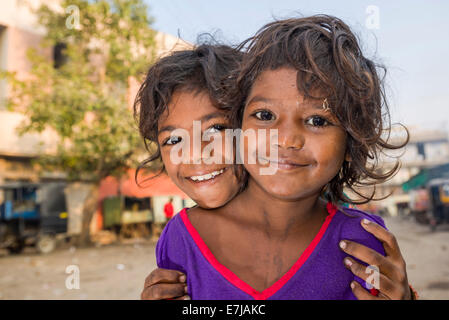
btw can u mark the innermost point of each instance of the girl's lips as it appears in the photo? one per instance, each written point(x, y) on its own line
point(284, 163)
point(288, 165)
point(202, 178)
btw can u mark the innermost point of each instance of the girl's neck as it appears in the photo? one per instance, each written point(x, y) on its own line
point(276, 216)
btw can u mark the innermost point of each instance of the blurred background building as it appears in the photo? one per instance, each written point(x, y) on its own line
point(427, 148)
point(19, 31)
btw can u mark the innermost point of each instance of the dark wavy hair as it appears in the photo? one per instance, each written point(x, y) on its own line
point(204, 68)
point(330, 65)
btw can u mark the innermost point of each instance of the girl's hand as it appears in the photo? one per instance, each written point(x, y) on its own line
point(163, 284)
point(392, 276)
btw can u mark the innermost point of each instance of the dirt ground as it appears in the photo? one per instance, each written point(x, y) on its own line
point(118, 271)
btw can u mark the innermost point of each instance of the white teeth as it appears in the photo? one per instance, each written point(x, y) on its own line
point(207, 176)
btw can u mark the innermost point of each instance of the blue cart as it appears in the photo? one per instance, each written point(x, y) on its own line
point(32, 214)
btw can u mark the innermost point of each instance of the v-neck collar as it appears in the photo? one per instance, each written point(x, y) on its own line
point(242, 285)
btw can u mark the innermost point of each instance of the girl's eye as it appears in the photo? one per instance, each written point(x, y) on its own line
point(264, 115)
point(215, 129)
point(317, 121)
point(173, 140)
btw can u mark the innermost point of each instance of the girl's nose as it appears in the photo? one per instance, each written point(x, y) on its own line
point(291, 138)
point(198, 154)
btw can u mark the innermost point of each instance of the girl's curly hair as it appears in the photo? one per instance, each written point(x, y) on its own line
point(204, 68)
point(329, 61)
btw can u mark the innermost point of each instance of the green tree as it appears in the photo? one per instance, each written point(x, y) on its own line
point(83, 97)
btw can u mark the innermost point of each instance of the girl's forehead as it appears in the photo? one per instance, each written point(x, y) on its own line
point(280, 85)
point(186, 107)
point(285, 76)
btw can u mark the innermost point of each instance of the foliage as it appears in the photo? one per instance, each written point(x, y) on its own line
point(84, 100)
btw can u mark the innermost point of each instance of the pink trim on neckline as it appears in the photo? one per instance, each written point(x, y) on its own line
point(236, 281)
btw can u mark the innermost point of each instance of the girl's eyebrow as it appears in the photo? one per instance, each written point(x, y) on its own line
point(258, 99)
point(207, 117)
point(270, 101)
point(317, 106)
point(166, 128)
point(216, 114)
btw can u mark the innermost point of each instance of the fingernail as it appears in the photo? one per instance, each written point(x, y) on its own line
point(348, 262)
point(352, 285)
point(366, 221)
point(342, 244)
point(182, 278)
point(187, 298)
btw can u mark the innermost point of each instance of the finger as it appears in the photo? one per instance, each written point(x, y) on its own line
point(386, 237)
point(186, 297)
point(361, 293)
point(369, 256)
point(162, 291)
point(386, 286)
point(160, 275)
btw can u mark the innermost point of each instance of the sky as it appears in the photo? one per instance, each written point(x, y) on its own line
point(410, 37)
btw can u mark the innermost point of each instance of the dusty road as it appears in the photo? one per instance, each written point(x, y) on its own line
point(118, 271)
point(426, 254)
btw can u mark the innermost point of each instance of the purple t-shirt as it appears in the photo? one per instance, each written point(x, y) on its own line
point(318, 274)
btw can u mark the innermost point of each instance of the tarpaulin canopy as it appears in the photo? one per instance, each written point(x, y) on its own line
point(425, 175)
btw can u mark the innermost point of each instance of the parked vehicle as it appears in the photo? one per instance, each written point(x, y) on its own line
point(128, 216)
point(439, 201)
point(32, 214)
point(419, 204)
point(429, 195)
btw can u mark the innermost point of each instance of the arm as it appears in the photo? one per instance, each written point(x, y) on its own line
point(168, 281)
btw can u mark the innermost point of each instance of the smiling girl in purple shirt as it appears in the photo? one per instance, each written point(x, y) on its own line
point(278, 238)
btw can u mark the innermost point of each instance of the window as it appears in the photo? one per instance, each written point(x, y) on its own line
point(421, 149)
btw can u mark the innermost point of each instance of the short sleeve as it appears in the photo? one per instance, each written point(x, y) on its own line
point(170, 248)
point(353, 231)
point(379, 220)
point(161, 252)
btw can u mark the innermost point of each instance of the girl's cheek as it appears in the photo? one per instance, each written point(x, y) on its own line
point(329, 149)
point(165, 156)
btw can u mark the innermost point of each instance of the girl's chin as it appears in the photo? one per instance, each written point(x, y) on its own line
point(210, 204)
point(212, 198)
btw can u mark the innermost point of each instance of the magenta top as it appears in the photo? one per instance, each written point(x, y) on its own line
point(318, 274)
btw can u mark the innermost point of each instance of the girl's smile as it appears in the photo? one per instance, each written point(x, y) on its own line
point(287, 161)
point(208, 177)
